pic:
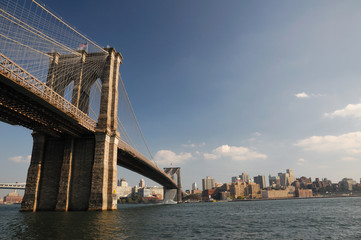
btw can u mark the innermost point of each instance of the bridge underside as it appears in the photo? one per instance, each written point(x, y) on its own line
point(131, 159)
point(18, 106)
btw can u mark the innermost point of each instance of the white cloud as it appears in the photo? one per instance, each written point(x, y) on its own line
point(302, 95)
point(301, 162)
point(210, 156)
point(305, 95)
point(192, 145)
point(348, 159)
point(20, 159)
point(164, 157)
point(351, 110)
point(234, 153)
point(349, 143)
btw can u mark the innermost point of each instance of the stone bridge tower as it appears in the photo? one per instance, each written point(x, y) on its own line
point(70, 172)
point(171, 172)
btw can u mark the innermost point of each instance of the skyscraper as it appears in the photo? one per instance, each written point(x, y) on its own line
point(142, 183)
point(194, 186)
point(244, 177)
point(284, 179)
point(291, 178)
point(260, 180)
point(208, 183)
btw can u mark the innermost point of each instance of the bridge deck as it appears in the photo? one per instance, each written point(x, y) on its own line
point(131, 159)
point(20, 186)
point(28, 102)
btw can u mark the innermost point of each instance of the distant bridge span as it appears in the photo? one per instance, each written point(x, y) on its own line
point(16, 186)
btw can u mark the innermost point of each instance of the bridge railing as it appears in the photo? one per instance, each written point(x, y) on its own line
point(20, 76)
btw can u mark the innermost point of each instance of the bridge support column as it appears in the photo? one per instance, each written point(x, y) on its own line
point(65, 177)
point(59, 174)
point(29, 202)
point(172, 172)
point(104, 175)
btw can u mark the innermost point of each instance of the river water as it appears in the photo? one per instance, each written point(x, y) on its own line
point(334, 218)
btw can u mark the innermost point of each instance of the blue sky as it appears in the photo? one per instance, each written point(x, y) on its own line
point(225, 87)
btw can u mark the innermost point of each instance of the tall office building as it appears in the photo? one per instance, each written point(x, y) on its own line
point(284, 177)
point(122, 183)
point(291, 178)
point(142, 183)
point(208, 183)
point(194, 186)
point(244, 177)
point(260, 180)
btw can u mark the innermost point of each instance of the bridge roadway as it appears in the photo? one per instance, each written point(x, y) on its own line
point(18, 186)
point(21, 105)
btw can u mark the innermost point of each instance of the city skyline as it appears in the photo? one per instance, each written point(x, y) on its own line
point(225, 88)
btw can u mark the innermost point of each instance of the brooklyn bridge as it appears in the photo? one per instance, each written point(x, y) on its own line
point(67, 89)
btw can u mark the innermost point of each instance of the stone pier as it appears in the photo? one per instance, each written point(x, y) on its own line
point(171, 172)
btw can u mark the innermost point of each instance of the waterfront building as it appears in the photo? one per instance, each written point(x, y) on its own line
point(289, 192)
point(244, 177)
point(144, 192)
point(142, 183)
point(236, 179)
point(135, 190)
point(346, 184)
point(260, 181)
point(194, 186)
point(12, 198)
point(226, 187)
point(286, 179)
point(208, 183)
point(123, 190)
point(303, 193)
point(274, 181)
point(304, 182)
point(238, 189)
point(157, 191)
point(196, 191)
point(224, 195)
point(253, 190)
point(208, 194)
point(291, 176)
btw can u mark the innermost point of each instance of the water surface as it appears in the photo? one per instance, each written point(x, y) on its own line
point(336, 218)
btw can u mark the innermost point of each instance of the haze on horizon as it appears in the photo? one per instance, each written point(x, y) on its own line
point(221, 88)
